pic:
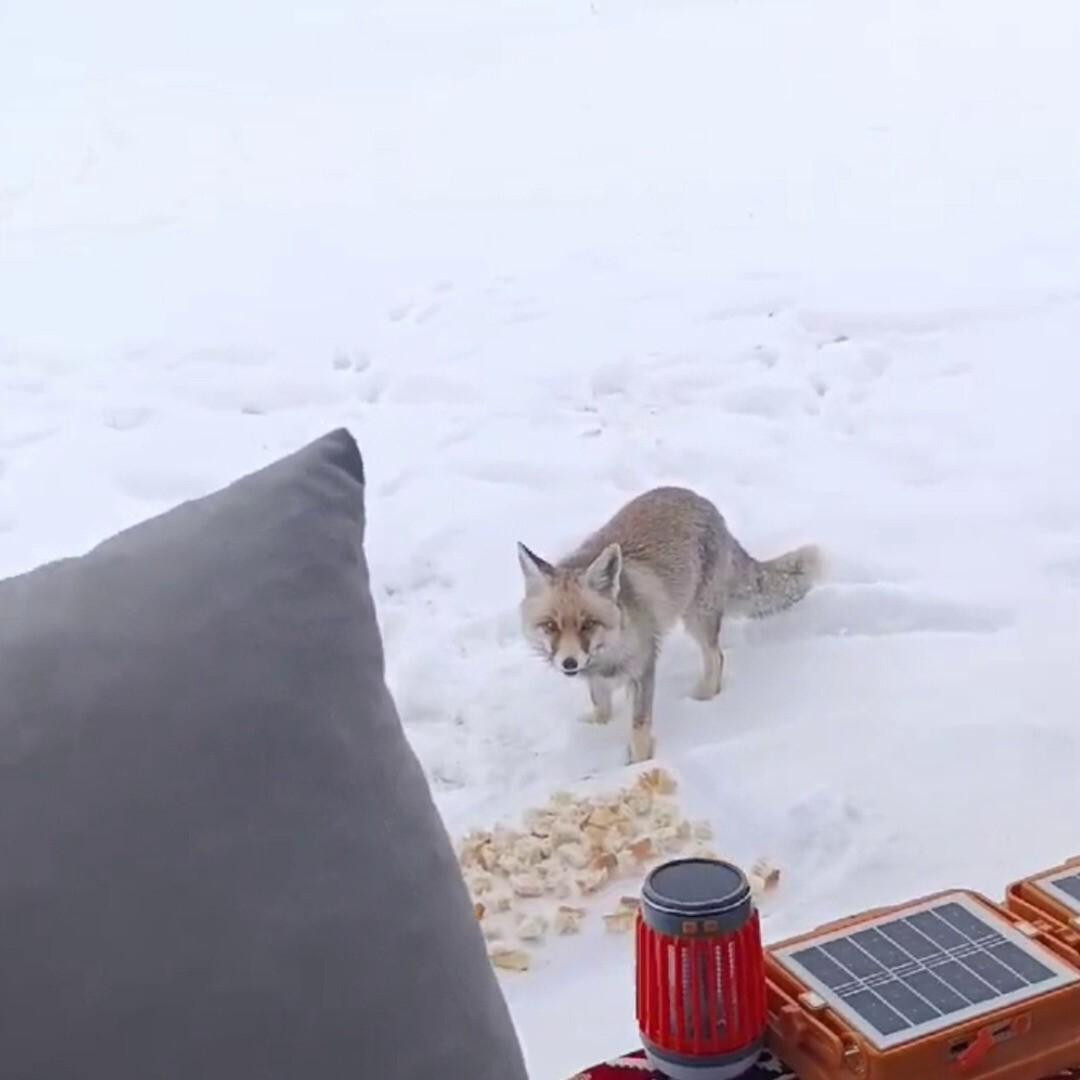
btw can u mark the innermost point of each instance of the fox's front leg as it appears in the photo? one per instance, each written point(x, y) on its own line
point(601, 691)
point(642, 689)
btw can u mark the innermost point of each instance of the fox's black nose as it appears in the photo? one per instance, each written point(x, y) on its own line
point(569, 664)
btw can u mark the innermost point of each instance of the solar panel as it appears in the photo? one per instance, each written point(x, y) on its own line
point(924, 968)
point(1064, 887)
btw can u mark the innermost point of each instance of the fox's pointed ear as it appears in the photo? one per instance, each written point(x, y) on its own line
point(605, 572)
point(536, 571)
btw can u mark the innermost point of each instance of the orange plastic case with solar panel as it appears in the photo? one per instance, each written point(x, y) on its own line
point(1050, 900)
point(952, 985)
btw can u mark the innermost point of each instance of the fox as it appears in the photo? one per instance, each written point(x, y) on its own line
point(602, 612)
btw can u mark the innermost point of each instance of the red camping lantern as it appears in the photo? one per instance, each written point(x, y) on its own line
point(700, 971)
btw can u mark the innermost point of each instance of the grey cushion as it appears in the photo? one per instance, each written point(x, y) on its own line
point(219, 859)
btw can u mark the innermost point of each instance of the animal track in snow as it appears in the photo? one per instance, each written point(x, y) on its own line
point(427, 313)
point(258, 397)
point(421, 311)
point(766, 356)
point(612, 379)
point(26, 435)
point(753, 309)
point(846, 369)
point(127, 418)
point(1058, 518)
point(1064, 568)
point(417, 574)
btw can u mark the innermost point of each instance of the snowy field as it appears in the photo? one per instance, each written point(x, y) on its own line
point(819, 259)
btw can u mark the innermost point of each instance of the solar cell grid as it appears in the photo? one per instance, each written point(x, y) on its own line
point(914, 972)
point(1065, 888)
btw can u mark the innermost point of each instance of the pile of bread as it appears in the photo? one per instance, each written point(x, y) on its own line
point(538, 880)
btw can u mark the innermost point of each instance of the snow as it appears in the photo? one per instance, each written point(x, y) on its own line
point(819, 260)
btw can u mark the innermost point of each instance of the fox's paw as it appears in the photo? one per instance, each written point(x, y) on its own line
point(595, 716)
point(642, 746)
point(712, 676)
point(707, 689)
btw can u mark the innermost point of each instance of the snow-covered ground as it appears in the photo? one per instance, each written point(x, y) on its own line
point(818, 258)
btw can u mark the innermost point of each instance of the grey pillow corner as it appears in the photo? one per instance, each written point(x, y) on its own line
point(340, 448)
point(220, 856)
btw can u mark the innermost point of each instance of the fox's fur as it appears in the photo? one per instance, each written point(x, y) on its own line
point(667, 555)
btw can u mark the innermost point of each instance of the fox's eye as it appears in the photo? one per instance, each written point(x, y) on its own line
point(589, 625)
point(548, 626)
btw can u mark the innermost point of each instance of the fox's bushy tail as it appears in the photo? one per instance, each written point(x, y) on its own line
point(765, 588)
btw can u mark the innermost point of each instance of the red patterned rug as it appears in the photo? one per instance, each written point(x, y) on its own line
point(634, 1067)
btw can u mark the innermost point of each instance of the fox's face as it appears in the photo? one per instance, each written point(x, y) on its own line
point(570, 616)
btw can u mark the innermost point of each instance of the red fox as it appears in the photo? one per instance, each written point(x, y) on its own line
point(603, 611)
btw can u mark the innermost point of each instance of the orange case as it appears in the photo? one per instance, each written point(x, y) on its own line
point(1043, 910)
point(1020, 1041)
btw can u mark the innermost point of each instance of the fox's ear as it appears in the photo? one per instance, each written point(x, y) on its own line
point(536, 571)
point(605, 573)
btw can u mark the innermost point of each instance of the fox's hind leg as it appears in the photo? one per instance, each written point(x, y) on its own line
point(704, 628)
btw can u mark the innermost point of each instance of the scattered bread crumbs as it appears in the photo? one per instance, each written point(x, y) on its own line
point(764, 877)
point(523, 881)
point(527, 885)
point(620, 922)
point(510, 959)
point(531, 927)
point(568, 920)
